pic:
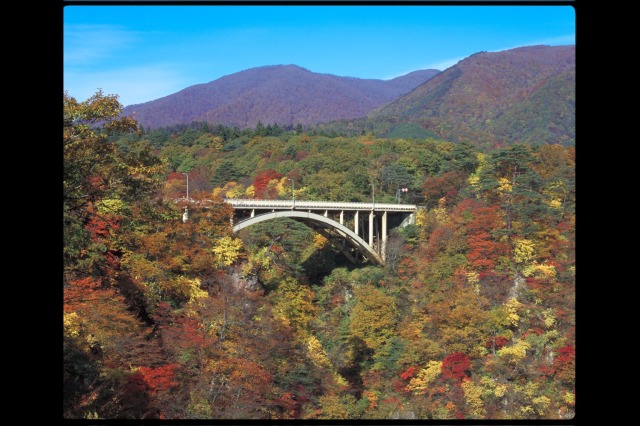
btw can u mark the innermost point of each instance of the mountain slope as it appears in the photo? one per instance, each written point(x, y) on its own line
point(520, 95)
point(282, 94)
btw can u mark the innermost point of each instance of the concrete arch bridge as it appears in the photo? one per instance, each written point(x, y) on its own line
point(355, 228)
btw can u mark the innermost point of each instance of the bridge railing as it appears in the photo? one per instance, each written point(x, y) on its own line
point(317, 205)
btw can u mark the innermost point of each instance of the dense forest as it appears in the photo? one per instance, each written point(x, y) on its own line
point(472, 316)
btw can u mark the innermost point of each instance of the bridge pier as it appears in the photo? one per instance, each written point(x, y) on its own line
point(355, 226)
point(383, 246)
point(371, 216)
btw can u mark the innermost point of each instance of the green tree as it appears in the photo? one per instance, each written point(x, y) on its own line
point(94, 170)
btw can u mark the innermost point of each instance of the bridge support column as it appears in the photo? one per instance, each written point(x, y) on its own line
point(341, 217)
point(371, 228)
point(326, 213)
point(253, 212)
point(355, 226)
point(384, 236)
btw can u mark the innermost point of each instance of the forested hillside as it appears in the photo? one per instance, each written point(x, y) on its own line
point(490, 99)
point(472, 317)
point(279, 94)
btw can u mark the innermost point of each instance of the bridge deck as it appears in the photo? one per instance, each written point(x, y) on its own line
point(238, 203)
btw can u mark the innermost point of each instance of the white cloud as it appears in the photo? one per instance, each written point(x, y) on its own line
point(132, 85)
point(87, 44)
point(552, 41)
point(565, 39)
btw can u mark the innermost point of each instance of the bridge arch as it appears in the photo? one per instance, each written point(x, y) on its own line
point(358, 242)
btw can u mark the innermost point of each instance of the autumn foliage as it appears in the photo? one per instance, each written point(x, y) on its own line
point(472, 317)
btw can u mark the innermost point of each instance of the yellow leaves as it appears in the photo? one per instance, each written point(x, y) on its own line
point(425, 376)
point(556, 204)
point(294, 304)
point(218, 192)
point(71, 324)
point(283, 187)
point(199, 407)
point(372, 397)
point(473, 398)
point(538, 270)
point(139, 169)
point(227, 250)
point(500, 390)
point(332, 407)
point(513, 354)
point(473, 180)
point(526, 410)
point(111, 205)
point(440, 212)
point(524, 251)
point(229, 190)
point(513, 306)
point(549, 317)
point(319, 241)
point(250, 192)
point(533, 403)
point(421, 217)
point(235, 190)
point(190, 289)
point(557, 192)
point(541, 404)
point(472, 277)
point(91, 415)
point(316, 353)
point(340, 380)
point(504, 186)
point(373, 318)
point(569, 398)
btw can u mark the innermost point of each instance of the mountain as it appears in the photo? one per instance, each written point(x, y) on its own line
point(282, 94)
point(525, 95)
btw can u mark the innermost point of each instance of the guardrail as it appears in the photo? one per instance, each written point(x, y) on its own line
point(317, 205)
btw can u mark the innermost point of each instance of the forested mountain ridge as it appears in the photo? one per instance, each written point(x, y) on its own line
point(278, 94)
point(522, 95)
point(472, 316)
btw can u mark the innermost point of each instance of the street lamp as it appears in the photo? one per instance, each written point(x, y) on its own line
point(185, 215)
point(187, 175)
point(399, 190)
point(373, 195)
point(293, 194)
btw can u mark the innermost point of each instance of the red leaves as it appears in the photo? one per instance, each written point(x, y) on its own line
point(100, 227)
point(446, 185)
point(176, 176)
point(455, 367)
point(78, 293)
point(567, 356)
point(409, 373)
point(159, 379)
point(289, 405)
point(260, 182)
point(499, 342)
point(564, 365)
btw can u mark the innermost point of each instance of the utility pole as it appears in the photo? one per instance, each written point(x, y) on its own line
point(185, 215)
point(373, 195)
point(293, 194)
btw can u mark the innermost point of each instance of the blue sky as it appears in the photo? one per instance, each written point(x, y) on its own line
point(142, 53)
